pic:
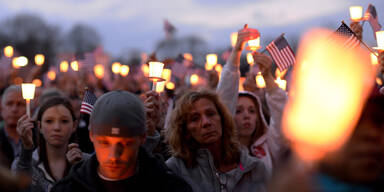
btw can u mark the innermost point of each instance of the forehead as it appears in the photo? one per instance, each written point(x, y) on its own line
point(13, 95)
point(57, 110)
point(202, 104)
point(245, 100)
point(115, 139)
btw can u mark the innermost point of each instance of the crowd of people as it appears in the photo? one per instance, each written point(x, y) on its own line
point(195, 137)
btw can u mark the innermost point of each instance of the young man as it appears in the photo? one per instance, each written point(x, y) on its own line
point(117, 130)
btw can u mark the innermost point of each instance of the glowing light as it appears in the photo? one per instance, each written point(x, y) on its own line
point(330, 85)
point(254, 44)
point(194, 79)
point(64, 66)
point(260, 83)
point(356, 13)
point(167, 74)
point(170, 86)
point(374, 59)
point(281, 83)
point(19, 62)
point(156, 70)
point(241, 82)
point(37, 82)
point(145, 69)
point(39, 59)
point(124, 70)
point(51, 75)
point(28, 90)
point(188, 56)
point(99, 71)
point(218, 68)
point(379, 81)
point(8, 51)
point(160, 86)
point(250, 59)
point(116, 67)
point(211, 61)
point(380, 40)
point(75, 65)
point(18, 80)
point(233, 38)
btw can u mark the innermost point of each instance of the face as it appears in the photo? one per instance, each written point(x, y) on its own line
point(117, 156)
point(204, 122)
point(13, 107)
point(361, 159)
point(246, 116)
point(57, 125)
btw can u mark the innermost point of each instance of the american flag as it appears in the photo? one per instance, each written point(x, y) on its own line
point(169, 29)
point(88, 102)
point(371, 16)
point(281, 53)
point(345, 31)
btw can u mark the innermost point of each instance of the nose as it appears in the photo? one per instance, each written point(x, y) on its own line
point(205, 121)
point(115, 152)
point(56, 126)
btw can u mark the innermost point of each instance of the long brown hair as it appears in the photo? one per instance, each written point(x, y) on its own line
point(185, 147)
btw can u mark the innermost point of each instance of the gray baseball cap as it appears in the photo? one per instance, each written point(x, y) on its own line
point(118, 114)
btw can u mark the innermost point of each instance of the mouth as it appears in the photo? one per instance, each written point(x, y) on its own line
point(209, 134)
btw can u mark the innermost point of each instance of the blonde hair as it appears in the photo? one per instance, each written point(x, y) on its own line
point(186, 147)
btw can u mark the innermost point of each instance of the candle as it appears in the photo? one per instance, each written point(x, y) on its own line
point(51, 75)
point(188, 56)
point(194, 79)
point(170, 86)
point(281, 83)
point(380, 40)
point(39, 59)
point(75, 65)
point(64, 66)
point(28, 91)
point(99, 71)
point(250, 59)
point(356, 13)
point(116, 67)
point(19, 62)
point(211, 61)
point(260, 83)
point(233, 38)
point(37, 82)
point(167, 74)
point(8, 51)
point(124, 70)
point(160, 86)
point(330, 86)
point(145, 69)
point(155, 72)
point(254, 44)
point(241, 82)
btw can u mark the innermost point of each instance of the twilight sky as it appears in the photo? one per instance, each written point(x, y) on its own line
point(125, 24)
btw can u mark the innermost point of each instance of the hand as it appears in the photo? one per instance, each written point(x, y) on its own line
point(24, 129)
point(74, 153)
point(244, 35)
point(357, 29)
point(250, 83)
point(264, 62)
point(152, 106)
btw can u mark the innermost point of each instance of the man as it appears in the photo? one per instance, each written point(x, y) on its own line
point(117, 131)
point(13, 107)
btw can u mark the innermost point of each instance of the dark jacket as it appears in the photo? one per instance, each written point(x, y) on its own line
point(152, 175)
point(6, 150)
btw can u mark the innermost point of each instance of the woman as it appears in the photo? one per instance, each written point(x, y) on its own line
point(53, 156)
point(202, 139)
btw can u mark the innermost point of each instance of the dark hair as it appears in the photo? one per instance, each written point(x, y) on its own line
point(48, 103)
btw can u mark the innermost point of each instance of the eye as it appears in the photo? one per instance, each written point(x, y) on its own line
point(48, 121)
point(252, 110)
point(194, 118)
point(239, 110)
point(103, 143)
point(211, 113)
point(65, 121)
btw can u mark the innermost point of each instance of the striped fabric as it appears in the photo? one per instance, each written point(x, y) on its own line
point(352, 41)
point(88, 102)
point(281, 53)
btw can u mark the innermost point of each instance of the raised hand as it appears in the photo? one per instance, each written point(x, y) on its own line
point(264, 62)
point(25, 131)
point(74, 153)
point(152, 106)
point(244, 35)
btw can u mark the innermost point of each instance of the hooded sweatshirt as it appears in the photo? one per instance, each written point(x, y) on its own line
point(151, 175)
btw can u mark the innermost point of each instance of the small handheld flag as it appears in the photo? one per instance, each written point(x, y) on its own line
point(281, 53)
point(88, 101)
